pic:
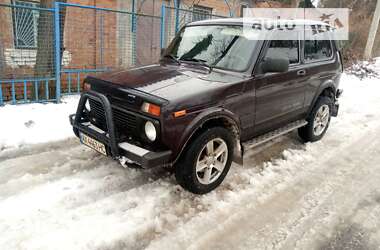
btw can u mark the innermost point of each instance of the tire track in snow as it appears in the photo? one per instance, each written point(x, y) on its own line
point(335, 149)
point(32, 149)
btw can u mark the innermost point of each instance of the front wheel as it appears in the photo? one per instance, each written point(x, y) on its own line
point(206, 161)
point(318, 121)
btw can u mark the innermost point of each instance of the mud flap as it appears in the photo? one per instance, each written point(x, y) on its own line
point(335, 110)
point(238, 153)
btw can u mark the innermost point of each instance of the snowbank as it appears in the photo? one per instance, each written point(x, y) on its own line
point(365, 69)
point(36, 123)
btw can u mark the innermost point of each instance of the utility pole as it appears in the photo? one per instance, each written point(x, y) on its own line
point(295, 3)
point(372, 32)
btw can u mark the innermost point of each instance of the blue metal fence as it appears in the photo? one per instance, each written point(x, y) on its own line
point(30, 87)
point(40, 63)
point(74, 76)
point(26, 73)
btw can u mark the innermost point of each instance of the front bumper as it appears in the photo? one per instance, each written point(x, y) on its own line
point(115, 148)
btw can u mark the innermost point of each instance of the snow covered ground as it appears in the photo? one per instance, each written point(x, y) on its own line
point(36, 123)
point(288, 195)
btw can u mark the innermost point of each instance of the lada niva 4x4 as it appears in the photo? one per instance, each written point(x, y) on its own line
point(213, 95)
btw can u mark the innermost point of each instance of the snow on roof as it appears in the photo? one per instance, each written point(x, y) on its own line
point(242, 20)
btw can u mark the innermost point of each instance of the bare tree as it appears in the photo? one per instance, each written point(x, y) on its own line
point(45, 66)
point(372, 32)
point(294, 3)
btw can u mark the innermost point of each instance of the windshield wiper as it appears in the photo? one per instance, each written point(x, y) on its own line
point(173, 58)
point(224, 53)
point(198, 61)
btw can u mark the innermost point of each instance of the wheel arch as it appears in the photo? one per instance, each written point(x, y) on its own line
point(216, 118)
point(326, 89)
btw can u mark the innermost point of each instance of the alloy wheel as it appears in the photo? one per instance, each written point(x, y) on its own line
point(321, 120)
point(211, 161)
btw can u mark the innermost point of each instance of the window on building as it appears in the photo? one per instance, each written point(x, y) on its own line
point(317, 50)
point(25, 23)
point(284, 48)
point(201, 13)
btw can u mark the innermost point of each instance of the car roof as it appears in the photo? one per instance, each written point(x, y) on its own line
point(241, 21)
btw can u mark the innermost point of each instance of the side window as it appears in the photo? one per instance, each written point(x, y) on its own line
point(284, 48)
point(317, 50)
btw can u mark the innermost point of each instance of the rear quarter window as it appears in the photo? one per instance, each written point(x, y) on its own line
point(317, 50)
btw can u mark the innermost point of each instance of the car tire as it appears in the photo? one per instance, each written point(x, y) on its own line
point(318, 121)
point(206, 161)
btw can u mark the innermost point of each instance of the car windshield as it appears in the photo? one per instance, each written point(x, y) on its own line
point(219, 46)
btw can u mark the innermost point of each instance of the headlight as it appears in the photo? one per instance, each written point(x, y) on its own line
point(150, 131)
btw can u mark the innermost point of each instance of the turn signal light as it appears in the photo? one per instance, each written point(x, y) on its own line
point(180, 113)
point(151, 109)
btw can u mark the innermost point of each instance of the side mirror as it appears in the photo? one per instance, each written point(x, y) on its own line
point(275, 65)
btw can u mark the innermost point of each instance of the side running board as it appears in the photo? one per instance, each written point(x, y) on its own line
point(273, 134)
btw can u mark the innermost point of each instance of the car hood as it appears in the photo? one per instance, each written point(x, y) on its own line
point(170, 82)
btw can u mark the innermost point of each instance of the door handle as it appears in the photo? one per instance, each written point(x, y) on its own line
point(301, 72)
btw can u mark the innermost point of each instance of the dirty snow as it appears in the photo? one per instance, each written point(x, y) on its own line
point(36, 123)
point(365, 69)
point(288, 195)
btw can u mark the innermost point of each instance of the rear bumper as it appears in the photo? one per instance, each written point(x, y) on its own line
point(115, 148)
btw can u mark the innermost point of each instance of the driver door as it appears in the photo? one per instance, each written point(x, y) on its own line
point(280, 97)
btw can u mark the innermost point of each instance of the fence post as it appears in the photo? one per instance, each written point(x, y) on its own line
point(163, 9)
point(134, 32)
point(101, 31)
point(133, 15)
point(57, 52)
point(176, 6)
point(1, 95)
point(13, 92)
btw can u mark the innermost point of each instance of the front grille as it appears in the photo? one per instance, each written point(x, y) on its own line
point(125, 123)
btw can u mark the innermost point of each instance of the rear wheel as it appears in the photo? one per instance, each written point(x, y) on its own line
point(206, 161)
point(318, 121)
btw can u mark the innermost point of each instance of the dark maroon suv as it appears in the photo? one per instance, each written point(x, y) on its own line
point(213, 95)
